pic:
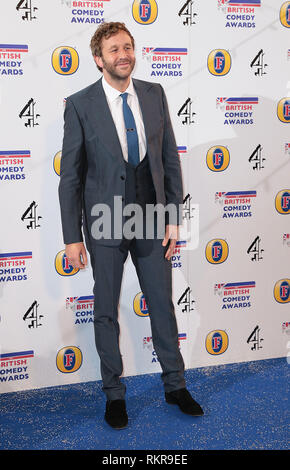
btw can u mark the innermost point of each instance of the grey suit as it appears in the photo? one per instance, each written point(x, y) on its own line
point(93, 171)
point(92, 163)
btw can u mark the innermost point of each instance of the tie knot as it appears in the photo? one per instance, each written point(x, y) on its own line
point(124, 96)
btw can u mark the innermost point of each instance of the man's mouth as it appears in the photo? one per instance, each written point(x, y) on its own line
point(120, 64)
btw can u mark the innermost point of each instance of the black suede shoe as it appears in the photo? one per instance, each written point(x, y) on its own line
point(184, 400)
point(116, 414)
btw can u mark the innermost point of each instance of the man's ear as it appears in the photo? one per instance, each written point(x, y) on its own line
point(98, 61)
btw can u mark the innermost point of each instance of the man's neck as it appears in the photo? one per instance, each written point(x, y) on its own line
point(119, 84)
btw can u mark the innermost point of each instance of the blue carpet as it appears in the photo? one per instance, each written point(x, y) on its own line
point(245, 405)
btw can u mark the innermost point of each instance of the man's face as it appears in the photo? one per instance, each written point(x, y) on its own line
point(118, 57)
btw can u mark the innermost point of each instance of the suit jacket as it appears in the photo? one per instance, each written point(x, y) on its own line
point(92, 165)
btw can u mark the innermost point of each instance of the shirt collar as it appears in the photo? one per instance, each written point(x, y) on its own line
point(112, 93)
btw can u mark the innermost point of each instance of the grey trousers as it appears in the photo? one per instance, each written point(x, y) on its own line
point(155, 278)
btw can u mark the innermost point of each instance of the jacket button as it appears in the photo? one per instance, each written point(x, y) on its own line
point(122, 177)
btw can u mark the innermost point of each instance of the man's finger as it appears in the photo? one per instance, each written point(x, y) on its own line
point(171, 248)
point(80, 264)
point(84, 257)
point(165, 240)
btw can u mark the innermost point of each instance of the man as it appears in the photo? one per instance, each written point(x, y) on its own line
point(119, 143)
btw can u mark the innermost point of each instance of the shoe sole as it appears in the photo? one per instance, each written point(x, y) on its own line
point(116, 427)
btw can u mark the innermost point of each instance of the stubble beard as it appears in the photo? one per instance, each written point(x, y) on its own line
point(113, 72)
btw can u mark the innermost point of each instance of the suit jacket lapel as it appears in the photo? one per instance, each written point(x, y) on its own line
point(146, 109)
point(101, 118)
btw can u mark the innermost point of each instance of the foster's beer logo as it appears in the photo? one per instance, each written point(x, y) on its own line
point(56, 163)
point(285, 14)
point(216, 251)
point(217, 342)
point(62, 265)
point(69, 359)
point(145, 11)
point(282, 201)
point(218, 158)
point(283, 110)
point(140, 306)
point(219, 62)
point(65, 60)
point(282, 291)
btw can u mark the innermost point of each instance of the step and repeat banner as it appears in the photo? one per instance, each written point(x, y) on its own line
point(225, 68)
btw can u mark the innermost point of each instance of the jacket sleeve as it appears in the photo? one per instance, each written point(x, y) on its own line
point(71, 176)
point(172, 170)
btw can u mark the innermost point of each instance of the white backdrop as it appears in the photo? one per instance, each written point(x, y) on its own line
point(225, 68)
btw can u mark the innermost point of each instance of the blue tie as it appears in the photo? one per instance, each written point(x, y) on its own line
point(131, 131)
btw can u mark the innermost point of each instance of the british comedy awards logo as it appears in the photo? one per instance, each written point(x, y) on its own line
point(236, 204)
point(176, 258)
point(286, 240)
point(14, 366)
point(237, 111)
point(235, 295)
point(82, 308)
point(165, 61)
point(148, 344)
point(12, 59)
point(13, 266)
point(12, 165)
point(239, 14)
point(89, 12)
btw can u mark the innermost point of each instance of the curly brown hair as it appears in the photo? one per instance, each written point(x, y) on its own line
point(106, 30)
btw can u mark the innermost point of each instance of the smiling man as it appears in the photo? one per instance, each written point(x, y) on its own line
point(119, 143)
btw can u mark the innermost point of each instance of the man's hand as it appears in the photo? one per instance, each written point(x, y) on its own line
point(76, 255)
point(171, 234)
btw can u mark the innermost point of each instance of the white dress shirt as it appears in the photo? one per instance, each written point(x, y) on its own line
point(115, 103)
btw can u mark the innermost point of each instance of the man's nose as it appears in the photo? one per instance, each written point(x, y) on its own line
point(124, 53)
